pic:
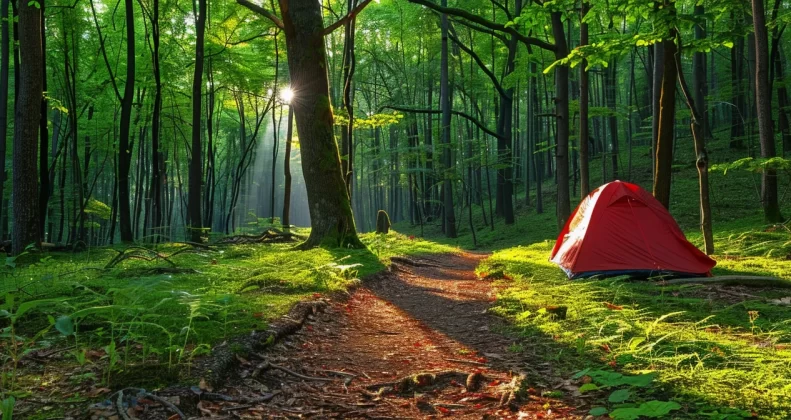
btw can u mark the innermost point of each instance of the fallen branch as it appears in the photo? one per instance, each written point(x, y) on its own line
point(119, 406)
point(736, 280)
point(267, 365)
point(270, 236)
point(414, 262)
point(224, 358)
point(166, 403)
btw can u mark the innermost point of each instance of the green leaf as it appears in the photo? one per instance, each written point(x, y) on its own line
point(597, 411)
point(7, 408)
point(619, 396)
point(65, 325)
point(589, 387)
point(652, 409)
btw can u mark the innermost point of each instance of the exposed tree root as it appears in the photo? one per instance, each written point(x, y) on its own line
point(224, 361)
point(155, 271)
point(471, 381)
point(748, 281)
point(144, 254)
point(415, 262)
point(268, 365)
point(270, 236)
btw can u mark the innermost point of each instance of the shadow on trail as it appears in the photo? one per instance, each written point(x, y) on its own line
point(443, 293)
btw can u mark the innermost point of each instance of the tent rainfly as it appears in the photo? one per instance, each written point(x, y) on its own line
point(619, 228)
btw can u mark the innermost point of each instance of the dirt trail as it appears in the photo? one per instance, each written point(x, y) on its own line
point(414, 342)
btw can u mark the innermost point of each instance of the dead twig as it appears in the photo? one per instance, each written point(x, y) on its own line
point(166, 403)
point(267, 365)
point(469, 362)
point(119, 406)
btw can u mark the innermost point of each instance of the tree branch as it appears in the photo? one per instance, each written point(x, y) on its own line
point(486, 23)
point(437, 111)
point(481, 29)
point(263, 12)
point(342, 21)
point(481, 64)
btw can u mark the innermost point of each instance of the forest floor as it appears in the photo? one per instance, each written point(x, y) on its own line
point(415, 341)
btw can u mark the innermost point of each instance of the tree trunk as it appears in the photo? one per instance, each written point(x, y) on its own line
point(445, 104)
point(349, 63)
point(699, 85)
point(562, 115)
point(737, 88)
point(196, 161)
point(124, 148)
point(701, 158)
point(584, 91)
point(331, 215)
point(763, 99)
point(667, 116)
point(4, 59)
point(286, 220)
point(659, 65)
point(156, 154)
point(26, 125)
point(43, 166)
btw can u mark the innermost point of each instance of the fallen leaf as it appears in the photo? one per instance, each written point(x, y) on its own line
point(613, 307)
point(97, 391)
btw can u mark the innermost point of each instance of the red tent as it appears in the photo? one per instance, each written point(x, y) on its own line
point(620, 228)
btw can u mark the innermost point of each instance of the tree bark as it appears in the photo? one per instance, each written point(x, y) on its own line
point(124, 148)
point(26, 125)
point(701, 158)
point(562, 115)
point(445, 104)
point(659, 65)
point(196, 159)
point(43, 166)
point(763, 100)
point(666, 126)
point(4, 66)
point(156, 154)
point(738, 106)
point(331, 215)
point(584, 135)
point(699, 84)
point(286, 220)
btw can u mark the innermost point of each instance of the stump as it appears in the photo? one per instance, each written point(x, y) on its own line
point(382, 222)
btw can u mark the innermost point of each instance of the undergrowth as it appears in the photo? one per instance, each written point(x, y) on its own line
point(145, 322)
point(709, 348)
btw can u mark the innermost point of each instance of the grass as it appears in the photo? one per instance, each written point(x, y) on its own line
point(127, 325)
point(720, 353)
point(708, 348)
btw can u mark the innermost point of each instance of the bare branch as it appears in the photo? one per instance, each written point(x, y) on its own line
point(437, 111)
point(263, 12)
point(497, 84)
point(342, 21)
point(452, 11)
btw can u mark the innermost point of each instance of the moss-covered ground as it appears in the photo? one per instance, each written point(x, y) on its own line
point(94, 328)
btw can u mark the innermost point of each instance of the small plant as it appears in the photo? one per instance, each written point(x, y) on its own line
point(624, 401)
point(7, 408)
point(752, 316)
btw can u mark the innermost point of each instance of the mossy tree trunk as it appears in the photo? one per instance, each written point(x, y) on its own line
point(332, 222)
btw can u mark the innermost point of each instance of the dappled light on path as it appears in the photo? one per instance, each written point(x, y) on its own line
point(416, 341)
